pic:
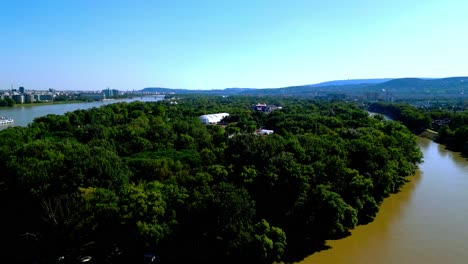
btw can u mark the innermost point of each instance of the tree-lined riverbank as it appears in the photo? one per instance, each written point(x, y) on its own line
point(422, 224)
point(451, 126)
point(25, 114)
point(124, 179)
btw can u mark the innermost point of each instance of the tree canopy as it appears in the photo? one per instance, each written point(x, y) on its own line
point(451, 126)
point(128, 179)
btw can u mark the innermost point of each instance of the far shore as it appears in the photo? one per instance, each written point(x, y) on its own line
point(53, 103)
point(42, 103)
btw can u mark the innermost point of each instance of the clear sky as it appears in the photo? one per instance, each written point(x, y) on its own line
point(205, 44)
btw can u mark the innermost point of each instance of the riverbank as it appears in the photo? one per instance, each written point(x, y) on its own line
point(429, 134)
point(424, 223)
point(388, 238)
point(48, 103)
point(73, 102)
point(25, 113)
point(40, 104)
point(451, 125)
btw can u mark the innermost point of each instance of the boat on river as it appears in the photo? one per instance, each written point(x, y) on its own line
point(6, 121)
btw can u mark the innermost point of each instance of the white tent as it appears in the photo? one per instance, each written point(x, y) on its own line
point(213, 118)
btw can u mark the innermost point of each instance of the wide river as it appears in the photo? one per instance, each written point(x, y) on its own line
point(23, 115)
point(425, 223)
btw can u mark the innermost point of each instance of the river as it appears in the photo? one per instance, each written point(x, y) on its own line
point(25, 114)
point(425, 223)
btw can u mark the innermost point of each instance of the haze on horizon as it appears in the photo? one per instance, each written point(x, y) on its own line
point(209, 44)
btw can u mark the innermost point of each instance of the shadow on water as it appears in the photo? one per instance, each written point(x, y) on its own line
point(449, 148)
point(444, 151)
point(456, 156)
point(299, 249)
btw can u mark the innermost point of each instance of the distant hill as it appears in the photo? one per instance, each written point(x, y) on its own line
point(237, 89)
point(401, 88)
point(426, 88)
point(351, 82)
point(425, 83)
point(190, 91)
point(162, 90)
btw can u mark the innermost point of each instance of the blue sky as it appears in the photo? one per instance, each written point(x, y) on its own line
point(205, 44)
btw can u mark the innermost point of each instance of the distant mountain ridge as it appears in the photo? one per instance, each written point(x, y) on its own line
point(452, 87)
point(238, 89)
point(179, 90)
point(351, 82)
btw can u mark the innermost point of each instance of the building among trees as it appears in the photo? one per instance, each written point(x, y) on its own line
point(213, 118)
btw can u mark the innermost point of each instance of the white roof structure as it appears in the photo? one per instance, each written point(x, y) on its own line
point(213, 118)
point(264, 132)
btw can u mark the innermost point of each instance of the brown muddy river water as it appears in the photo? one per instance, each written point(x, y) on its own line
point(425, 223)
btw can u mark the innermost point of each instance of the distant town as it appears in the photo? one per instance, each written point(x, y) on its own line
point(25, 96)
point(420, 92)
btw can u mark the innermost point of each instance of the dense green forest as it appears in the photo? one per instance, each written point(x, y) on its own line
point(451, 125)
point(127, 180)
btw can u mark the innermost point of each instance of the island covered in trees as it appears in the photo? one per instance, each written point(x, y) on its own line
point(130, 182)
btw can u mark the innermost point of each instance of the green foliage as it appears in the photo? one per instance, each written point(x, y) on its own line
point(450, 124)
point(269, 241)
point(7, 102)
point(417, 121)
point(129, 178)
point(143, 207)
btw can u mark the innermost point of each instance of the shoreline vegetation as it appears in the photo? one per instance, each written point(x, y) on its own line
point(443, 125)
point(129, 180)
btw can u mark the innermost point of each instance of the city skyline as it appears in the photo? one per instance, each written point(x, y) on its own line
point(129, 45)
